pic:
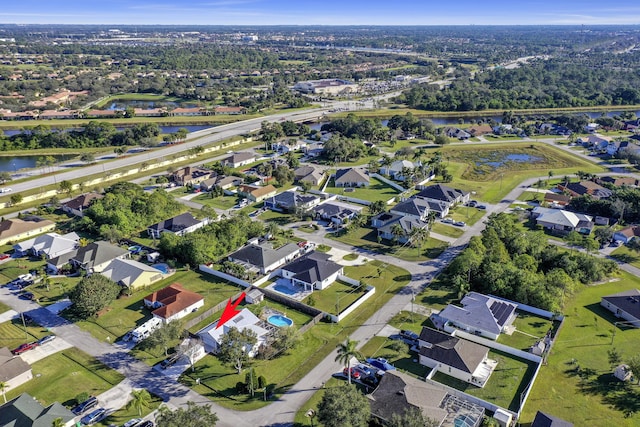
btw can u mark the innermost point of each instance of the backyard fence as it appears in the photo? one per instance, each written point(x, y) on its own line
point(390, 183)
point(210, 312)
point(311, 323)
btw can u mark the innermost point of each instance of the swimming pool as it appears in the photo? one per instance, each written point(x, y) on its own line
point(134, 249)
point(280, 321)
point(284, 289)
point(164, 268)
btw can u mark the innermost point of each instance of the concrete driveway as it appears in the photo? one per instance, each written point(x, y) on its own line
point(42, 351)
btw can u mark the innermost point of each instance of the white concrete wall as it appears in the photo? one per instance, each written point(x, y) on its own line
point(497, 346)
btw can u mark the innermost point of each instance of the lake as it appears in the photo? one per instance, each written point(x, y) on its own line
point(15, 163)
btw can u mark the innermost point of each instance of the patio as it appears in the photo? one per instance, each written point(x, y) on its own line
point(288, 288)
point(483, 372)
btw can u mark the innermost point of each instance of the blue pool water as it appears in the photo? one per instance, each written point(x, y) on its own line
point(162, 267)
point(284, 289)
point(134, 249)
point(280, 321)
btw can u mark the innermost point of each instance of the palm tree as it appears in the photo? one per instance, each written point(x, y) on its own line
point(139, 399)
point(58, 422)
point(418, 235)
point(3, 389)
point(397, 232)
point(385, 163)
point(346, 351)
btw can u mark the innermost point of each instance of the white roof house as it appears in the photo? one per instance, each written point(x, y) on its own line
point(50, 244)
point(395, 169)
point(211, 337)
point(563, 221)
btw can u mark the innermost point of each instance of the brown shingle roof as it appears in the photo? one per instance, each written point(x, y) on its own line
point(15, 226)
point(83, 201)
point(174, 299)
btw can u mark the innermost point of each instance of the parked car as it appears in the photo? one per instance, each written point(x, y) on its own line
point(46, 339)
point(147, 423)
point(483, 207)
point(380, 363)
point(27, 295)
point(369, 380)
point(459, 223)
point(472, 203)
point(169, 361)
point(24, 347)
point(354, 373)
point(132, 422)
point(365, 369)
point(85, 406)
point(4, 256)
point(448, 220)
point(6, 190)
point(93, 417)
point(127, 336)
point(410, 335)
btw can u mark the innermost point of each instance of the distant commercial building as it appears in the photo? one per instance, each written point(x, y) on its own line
point(326, 87)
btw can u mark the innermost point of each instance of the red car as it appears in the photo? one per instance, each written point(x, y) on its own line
point(354, 373)
point(4, 256)
point(24, 347)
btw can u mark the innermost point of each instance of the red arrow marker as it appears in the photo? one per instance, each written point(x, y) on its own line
point(230, 311)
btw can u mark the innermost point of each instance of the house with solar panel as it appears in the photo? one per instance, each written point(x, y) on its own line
point(480, 315)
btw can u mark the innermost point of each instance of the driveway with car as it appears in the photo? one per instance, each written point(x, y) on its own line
point(44, 350)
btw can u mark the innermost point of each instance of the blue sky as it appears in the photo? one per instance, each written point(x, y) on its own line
point(326, 12)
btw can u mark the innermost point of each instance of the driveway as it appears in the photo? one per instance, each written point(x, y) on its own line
point(42, 351)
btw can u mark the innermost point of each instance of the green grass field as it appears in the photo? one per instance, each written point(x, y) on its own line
point(585, 392)
point(334, 299)
point(63, 375)
point(529, 329)
point(123, 415)
point(401, 359)
point(446, 230)
point(367, 238)
point(624, 254)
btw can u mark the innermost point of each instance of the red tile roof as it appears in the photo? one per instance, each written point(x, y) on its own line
point(174, 298)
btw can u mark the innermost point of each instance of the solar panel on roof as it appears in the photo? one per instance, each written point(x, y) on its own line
point(501, 311)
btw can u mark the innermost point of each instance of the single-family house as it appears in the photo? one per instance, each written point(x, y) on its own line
point(288, 145)
point(398, 393)
point(336, 212)
point(619, 181)
point(50, 245)
point(314, 149)
point(26, 411)
point(414, 207)
point(627, 234)
point(221, 181)
point(397, 227)
point(352, 177)
point(291, 201)
point(625, 305)
point(16, 229)
point(212, 335)
point(442, 193)
point(561, 221)
point(397, 168)
point(623, 372)
point(13, 370)
point(192, 111)
point(94, 257)
point(239, 159)
point(314, 271)
point(131, 274)
point(479, 130)
point(453, 132)
point(545, 420)
point(591, 127)
point(173, 302)
point(190, 175)
point(263, 258)
point(179, 225)
point(77, 205)
point(256, 193)
point(310, 174)
point(480, 314)
point(555, 199)
point(594, 142)
point(582, 188)
point(456, 357)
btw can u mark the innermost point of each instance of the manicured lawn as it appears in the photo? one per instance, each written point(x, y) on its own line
point(526, 325)
point(334, 299)
point(624, 254)
point(507, 382)
point(350, 257)
point(221, 202)
point(585, 392)
point(447, 230)
point(128, 312)
point(12, 333)
point(58, 289)
point(277, 217)
point(12, 269)
point(493, 183)
point(124, 414)
point(411, 321)
point(366, 238)
point(301, 419)
point(4, 308)
point(63, 375)
point(467, 214)
point(401, 358)
point(438, 294)
point(307, 228)
point(218, 382)
point(377, 190)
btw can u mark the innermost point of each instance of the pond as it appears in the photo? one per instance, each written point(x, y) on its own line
point(15, 163)
point(497, 159)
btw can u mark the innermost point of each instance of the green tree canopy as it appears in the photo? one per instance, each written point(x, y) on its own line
point(235, 346)
point(92, 294)
point(344, 406)
point(192, 416)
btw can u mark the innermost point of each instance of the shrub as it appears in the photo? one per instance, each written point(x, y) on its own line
point(81, 397)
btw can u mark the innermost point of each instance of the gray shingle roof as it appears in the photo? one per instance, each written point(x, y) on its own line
point(263, 255)
point(627, 301)
point(546, 420)
point(333, 209)
point(441, 192)
point(10, 366)
point(351, 175)
point(97, 253)
point(451, 351)
point(314, 267)
point(291, 199)
point(416, 207)
point(176, 223)
point(25, 411)
point(481, 312)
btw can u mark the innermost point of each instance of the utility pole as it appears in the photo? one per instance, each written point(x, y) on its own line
point(24, 325)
